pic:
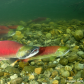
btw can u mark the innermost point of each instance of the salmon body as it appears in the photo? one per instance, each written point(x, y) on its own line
point(9, 48)
point(46, 52)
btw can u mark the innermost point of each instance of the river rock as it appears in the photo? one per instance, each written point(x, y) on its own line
point(48, 35)
point(63, 61)
point(65, 74)
point(16, 81)
point(78, 34)
point(72, 58)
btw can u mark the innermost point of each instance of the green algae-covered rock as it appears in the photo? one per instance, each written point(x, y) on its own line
point(16, 81)
point(46, 59)
point(78, 34)
point(52, 65)
point(66, 74)
point(72, 58)
point(80, 53)
point(29, 69)
point(48, 35)
point(1, 74)
point(82, 74)
point(12, 70)
point(63, 61)
point(78, 66)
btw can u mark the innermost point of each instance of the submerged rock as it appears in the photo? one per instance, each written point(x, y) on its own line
point(1, 74)
point(78, 66)
point(72, 58)
point(48, 35)
point(29, 69)
point(82, 74)
point(12, 70)
point(16, 81)
point(63, 61)
point(78, 34)
point(66, 74)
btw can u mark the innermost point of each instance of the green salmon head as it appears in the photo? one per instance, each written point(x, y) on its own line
point(62, 51)
point(27, 52)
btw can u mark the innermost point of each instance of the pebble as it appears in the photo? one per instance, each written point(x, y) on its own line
point(4, 65)
point(29, 69)
point(80, 53)
point(82, 74)
point(55, 82)
point(1, 74)
point(78, 34)
point(65, 74)
point(68, 68)
point(54, 73)
point(33, 82)
point(48, 35)
point(31, 77)
point(68, 31)
point(12, 70)
point(72, 58)
point(16, 81)
point(14, 76)
point(78, 66)
point(38, 70)
point(63, 61)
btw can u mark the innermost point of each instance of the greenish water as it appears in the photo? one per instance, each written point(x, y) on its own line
point(16, 10)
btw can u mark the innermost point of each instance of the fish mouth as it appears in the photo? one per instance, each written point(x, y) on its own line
point(30, 53)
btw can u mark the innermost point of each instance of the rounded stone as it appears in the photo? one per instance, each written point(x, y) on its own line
point(1, 74)
point(68, 31)
point(82, 56)
point(78, 34)
point(16, 81)
point(48, 35)
point(78, 66)
point(72, 58)
point(63, 61)
point(80, 53)
point(82, 74)
point(66, 74)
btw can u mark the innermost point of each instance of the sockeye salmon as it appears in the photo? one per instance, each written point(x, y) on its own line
point(10, 50)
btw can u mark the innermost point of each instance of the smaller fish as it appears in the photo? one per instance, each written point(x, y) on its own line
point(39, 19)
point(13, 27)
point(4, 30)
point(46, 52)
